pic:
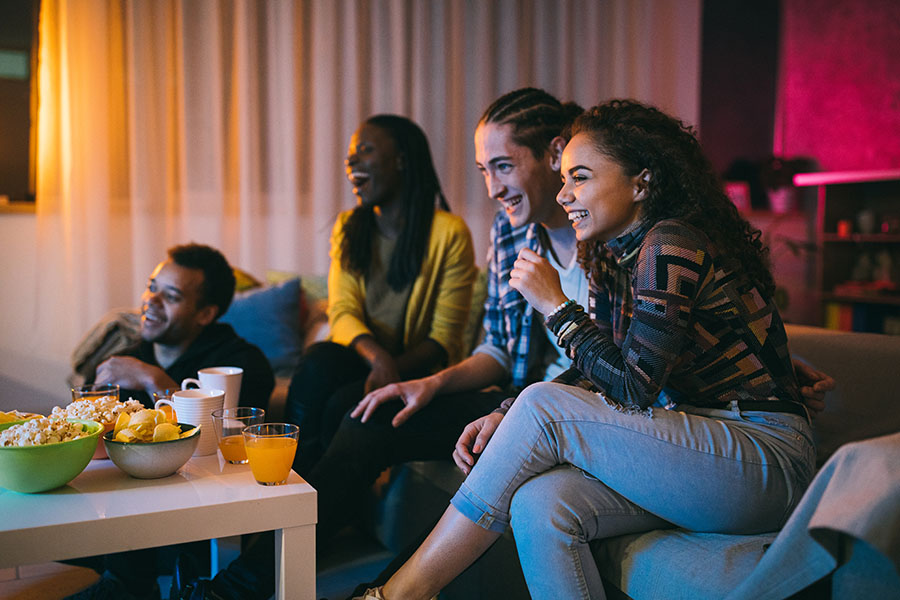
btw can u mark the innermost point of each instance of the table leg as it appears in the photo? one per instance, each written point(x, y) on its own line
point(295, 563)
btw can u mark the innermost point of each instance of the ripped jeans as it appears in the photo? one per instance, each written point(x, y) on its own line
point(710, 470)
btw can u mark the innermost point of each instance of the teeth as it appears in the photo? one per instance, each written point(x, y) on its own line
point(512, 202)
point(577, 215)
point(358, 178)
point(151, 317)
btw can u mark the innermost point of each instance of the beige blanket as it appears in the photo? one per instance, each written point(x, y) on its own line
point(848, 523)
point(117, 331)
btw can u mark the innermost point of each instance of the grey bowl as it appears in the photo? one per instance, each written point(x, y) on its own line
point(152, 460)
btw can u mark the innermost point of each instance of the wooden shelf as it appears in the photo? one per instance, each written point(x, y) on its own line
point(886, 299)
point(863, 238)
point(805, 179)
point(843, 196)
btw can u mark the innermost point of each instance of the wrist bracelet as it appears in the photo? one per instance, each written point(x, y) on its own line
point(568, 302)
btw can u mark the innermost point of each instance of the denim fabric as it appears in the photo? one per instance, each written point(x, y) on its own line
point(555, 515)
point(702, 469)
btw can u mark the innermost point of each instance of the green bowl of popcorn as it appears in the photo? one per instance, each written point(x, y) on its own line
point(37, 455)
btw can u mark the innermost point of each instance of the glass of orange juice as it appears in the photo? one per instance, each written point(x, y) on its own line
point(228, 424)
point(271, 448)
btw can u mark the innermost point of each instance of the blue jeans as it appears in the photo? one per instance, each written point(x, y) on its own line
point(707, 470)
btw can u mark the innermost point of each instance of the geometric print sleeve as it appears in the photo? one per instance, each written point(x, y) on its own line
point(671, 269)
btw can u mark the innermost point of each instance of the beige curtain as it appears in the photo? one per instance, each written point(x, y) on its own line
point(226, 122)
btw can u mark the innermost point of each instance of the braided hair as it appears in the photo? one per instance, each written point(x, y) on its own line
point(683, 184)
point(536, 117)
point(421, 191)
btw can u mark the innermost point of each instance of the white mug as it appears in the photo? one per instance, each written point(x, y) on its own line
point(219, 378)
point(195, 407)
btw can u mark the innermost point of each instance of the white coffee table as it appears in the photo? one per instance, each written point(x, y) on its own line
point(103, 510)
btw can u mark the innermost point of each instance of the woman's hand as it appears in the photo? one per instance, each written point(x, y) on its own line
point(384, 371)
point(536, 279)
point(474, 439)
point(384, 367)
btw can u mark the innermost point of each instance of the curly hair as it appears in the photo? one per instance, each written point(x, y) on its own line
point(536, 117)
point(218, 277)
point(421, 190)
point(682, 184)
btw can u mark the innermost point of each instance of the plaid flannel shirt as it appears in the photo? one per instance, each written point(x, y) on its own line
point(508, 317)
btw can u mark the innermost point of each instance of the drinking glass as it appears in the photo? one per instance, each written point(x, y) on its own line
point(95, 391)
point(228, 424)
point(102, 394)
point(270, 449)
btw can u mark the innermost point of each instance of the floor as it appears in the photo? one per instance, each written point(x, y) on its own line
point(356, 558)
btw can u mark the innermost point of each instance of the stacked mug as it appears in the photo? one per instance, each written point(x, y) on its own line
point(195, 407)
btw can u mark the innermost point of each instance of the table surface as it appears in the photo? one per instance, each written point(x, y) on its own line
point(105, 510)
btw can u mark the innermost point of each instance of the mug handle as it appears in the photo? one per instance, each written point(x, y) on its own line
point(188, 381)
point(167, 402)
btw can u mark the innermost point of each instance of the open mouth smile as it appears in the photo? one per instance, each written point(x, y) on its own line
point(358, 178)
point(576, 216)
point(511, 203)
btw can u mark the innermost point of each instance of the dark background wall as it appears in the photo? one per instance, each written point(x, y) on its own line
point(16, 24)
point(841, 87)
point(739, 68)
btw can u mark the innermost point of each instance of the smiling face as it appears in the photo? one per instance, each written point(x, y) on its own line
point(600, 199)
point(171, 314)
point(523, 185)
point(373, 166)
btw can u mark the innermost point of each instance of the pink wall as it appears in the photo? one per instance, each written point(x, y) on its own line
point(840, 101)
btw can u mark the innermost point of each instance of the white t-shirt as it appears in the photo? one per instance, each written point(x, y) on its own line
point(574, 286)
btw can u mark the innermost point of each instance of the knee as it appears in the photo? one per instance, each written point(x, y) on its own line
point(318, 357)
point(538, 510)
point(537, 399)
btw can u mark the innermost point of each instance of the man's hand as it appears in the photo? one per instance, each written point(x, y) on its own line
point(415, 394)
point(132, 373)
point(813, 386)
point(473, 440)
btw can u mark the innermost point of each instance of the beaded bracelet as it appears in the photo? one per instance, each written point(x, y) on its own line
point(568, 302)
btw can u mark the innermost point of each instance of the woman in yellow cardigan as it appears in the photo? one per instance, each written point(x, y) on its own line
point(399, 286)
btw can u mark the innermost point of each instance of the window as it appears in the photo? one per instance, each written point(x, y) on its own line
point(18, 99)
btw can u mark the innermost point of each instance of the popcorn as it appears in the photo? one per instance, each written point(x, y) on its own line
point(37, 432)
point(105, 409)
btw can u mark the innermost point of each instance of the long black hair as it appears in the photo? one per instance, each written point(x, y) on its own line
point(421, 191)
point(536, 117)
point(682, 185)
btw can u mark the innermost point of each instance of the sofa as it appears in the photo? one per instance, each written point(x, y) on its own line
point(821, 558)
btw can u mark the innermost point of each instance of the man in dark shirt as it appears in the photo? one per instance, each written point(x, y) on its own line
point(185, 295)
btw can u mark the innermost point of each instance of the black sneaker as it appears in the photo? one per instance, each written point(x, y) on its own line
point(199, 589)
point(110, 587)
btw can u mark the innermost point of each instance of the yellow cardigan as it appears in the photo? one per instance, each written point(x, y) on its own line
point(441, 295)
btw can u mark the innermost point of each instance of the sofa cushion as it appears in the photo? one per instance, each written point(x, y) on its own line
point(678, 565)
point(269, 317)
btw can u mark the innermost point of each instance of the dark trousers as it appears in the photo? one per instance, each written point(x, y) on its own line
point(328, 381)
point(354, 459)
